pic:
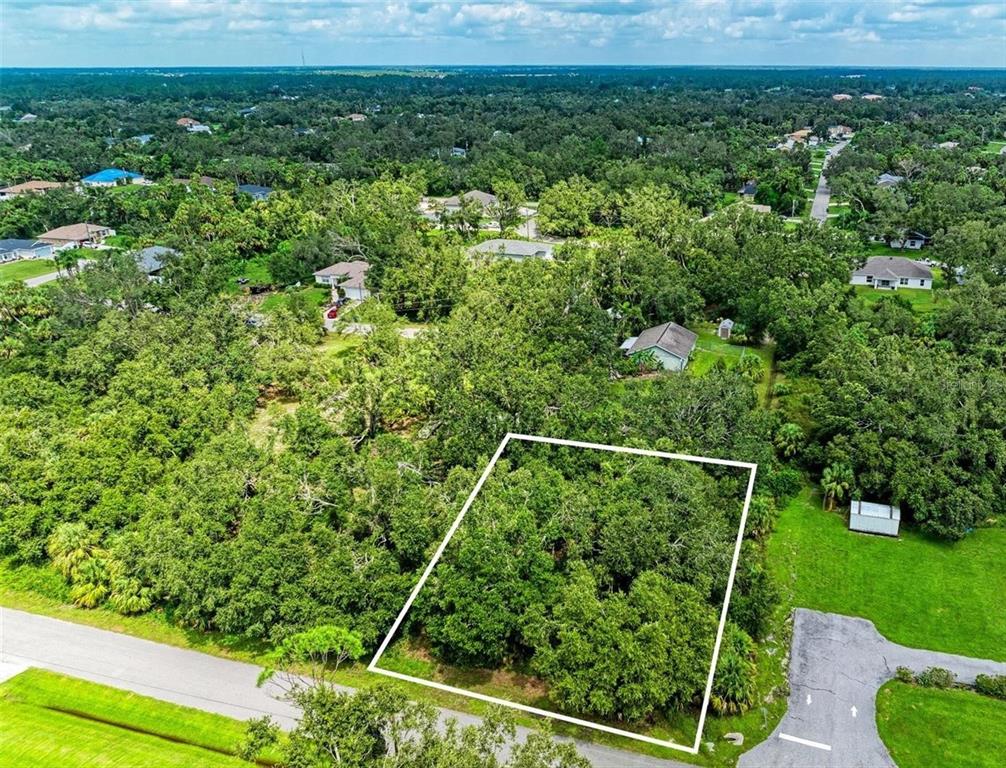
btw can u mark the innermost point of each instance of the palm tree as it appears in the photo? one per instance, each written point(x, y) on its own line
point(788, 439)
point(836, 482)
point(70, 545)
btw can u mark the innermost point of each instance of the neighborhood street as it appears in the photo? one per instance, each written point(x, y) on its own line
point(822, 196)
point(188, 677)
point(836, 667)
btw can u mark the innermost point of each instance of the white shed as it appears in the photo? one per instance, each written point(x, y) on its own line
point(868, 517)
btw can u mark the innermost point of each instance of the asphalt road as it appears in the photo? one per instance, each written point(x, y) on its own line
point(837, 665)
point(822, 196)
point(190, 678)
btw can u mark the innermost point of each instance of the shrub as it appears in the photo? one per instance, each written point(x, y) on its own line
point(904, 675)
point(783, 483)
point(936, 677)
point(991, 685)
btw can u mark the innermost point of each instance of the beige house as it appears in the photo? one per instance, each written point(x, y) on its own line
point(28, 188)
point(81, 235)
point(347, 279)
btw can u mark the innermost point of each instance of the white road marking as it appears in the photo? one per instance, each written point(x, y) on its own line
point(854, 710)
point(805, 742)
point(809, 700)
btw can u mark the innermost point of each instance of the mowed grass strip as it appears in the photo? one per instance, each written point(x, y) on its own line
point(925, 727)
point(22, 270)
point(53, 720)
point(919, 591)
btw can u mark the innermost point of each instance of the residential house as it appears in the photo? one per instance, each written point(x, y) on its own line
point(869, 517)
point(839, 132)
point(199, 128)
point(347, 279)
point(872, 97)
point(257, 192)
point(948, 145)
point(247, 111)
point(749, 190)
point(670, 343)
point(142, 139)
point(110, 177)
point(887, 180)
point(15, 250)
point(186, 122)
point(206, 181)
point(518, 250)
point(484, 199)
point(892, 273)
point(909, 240)
point(28, 188)
point(841, 97)
point(27, 117)
point(458, 152)
point(151, 260)
point(800, 136)
point(77, 236)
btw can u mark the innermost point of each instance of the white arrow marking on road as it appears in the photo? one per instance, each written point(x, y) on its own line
point(853, 710)
point(809, 700)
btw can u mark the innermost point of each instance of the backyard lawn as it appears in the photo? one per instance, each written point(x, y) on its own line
point(21, 270)
point(52, 720)
point(919, 591)
point(924, 727)
point(709, 348)
point(922, 301)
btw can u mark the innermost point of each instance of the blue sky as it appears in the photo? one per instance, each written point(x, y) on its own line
point(351, 32)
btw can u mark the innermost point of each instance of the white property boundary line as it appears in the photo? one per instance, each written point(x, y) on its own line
point(694, 749)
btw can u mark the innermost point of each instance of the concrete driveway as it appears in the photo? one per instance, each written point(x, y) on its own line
point(191, 678)
point(837, 665)
point(33, 282)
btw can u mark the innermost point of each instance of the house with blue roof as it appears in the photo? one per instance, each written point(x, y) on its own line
point(110, 177)
point(257, 192)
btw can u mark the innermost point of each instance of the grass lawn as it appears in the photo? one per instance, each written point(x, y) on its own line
point(255, 270)
point(919, 591)
point(994, 147)
point(21, 270)
point(922, 301)
point(316, 297)
point(709, 348)
point(51, 720)
point(924, 727)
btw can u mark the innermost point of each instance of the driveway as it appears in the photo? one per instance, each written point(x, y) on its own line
point(837, 665)
point(822, 196)
point(33, 282)
point(190, 678)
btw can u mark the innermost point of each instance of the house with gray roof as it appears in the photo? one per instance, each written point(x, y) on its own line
point(518, 250)
point(671, 344)
point(347, 279)
point(887, 180)
point(13, 249)
point(485, 199)
point(892, 273)
point(150, 261)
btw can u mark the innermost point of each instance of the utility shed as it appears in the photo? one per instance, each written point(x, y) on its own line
point(867, 517)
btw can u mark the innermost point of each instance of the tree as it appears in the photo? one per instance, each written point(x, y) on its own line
point(836, 482)
point(506, 209)
point(789, 439)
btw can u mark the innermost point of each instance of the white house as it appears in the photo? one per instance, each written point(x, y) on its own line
point(910, 241)
point(518, 250)
point(892, 273)
point(670, 343)
point(15, 250)
point(347, 279)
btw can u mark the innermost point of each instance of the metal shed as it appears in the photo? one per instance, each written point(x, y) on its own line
point(868, 517)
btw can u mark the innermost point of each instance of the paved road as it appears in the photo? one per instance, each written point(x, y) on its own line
point(188, 677)
point(838, 663)
point(819, 208)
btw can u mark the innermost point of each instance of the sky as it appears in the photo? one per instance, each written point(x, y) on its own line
point(159, 33)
